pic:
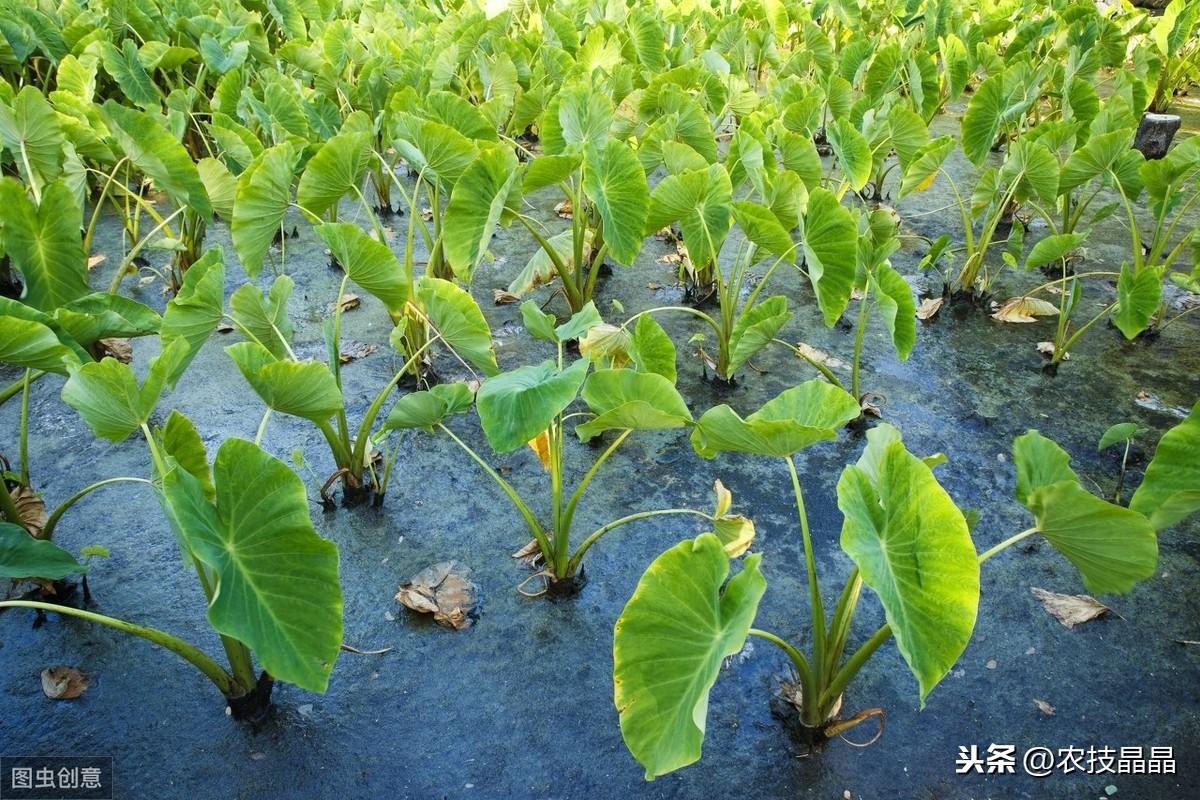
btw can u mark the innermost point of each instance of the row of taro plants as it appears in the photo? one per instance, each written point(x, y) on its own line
point(755, 138)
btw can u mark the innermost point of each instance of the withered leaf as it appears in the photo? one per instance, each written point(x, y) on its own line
point(503, 297)
point(119, 349)
point(356, 351)
point(31, 510)
point(531, 549)
point(811, 353)
point(349, 302)
point(444, 590)
point(1025, 309)
point(929, 308)
point(63, 683)
point(563, 209)
point(1044, 707)
point(96, 260)
point(1070, 609)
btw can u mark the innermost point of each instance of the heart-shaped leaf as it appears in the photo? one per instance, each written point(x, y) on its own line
point(301, 388)
point(516, 406)
point(277, 586)
point(369, 263)
point(668, 646)
point(1170, 490)
point(795, 419)
point(22, 556)
point(623, 399)
point(913, 548)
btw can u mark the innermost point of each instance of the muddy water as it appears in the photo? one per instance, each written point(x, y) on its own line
point(520, 705)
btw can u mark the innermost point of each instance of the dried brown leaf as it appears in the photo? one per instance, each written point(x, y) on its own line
point(444, 590)
point(1025, 309)
point(503, 297)
point(929, 308)
point(811, 353)
point(356, 351)
point(563, 209)
point(349, 302)
point(31, 510)
point(63, 683)
point(532, 548)
point(1070, 609)
point(96, 260)
point(1044, 707)
point(119, 349)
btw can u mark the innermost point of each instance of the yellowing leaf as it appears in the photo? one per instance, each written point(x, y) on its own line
point(1024, 309)
point(540, 445)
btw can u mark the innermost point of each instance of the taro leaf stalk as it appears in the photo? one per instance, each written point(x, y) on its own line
point(910, 544)
point(312, 390)
point(529, 406)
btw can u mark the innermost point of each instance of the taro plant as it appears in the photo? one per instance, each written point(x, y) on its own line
point(68, 337)
point(1172, 186)
point(910, 544)
point(312, 390)
point(604, 187)
point(529, 406)
point(1169, 54)
point(701, 201)
point(58, 325)
point(270, 581)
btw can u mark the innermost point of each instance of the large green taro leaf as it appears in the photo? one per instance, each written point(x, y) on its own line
point(516, 406)
point(158, 155)
point(263, 195)
point(301, 388)
point(1170, 490)
point(616, 184)
point(476, 206)
point(913, 548)
point(335, 170)
point(277, 586)
point(1112, 547)
point(44, 243)
point(702, 202)
point(22, 556)
point(668, 646)
point(793, 420)
point(830, 252)
point(623, 399)
point(369, 263)
point(457, 317)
